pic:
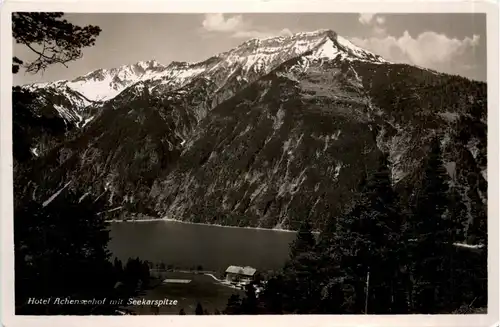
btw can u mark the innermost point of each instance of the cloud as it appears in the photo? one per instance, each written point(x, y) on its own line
point(217, 23)
point(237, 27)
point(380, 20)
point(285, 32)
point(375, 21)
point(365, 19)
point(261, 34)
point(249, 34)
point(379, 31)
point(429, 49)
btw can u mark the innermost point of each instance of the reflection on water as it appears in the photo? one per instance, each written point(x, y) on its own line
point(190, 245)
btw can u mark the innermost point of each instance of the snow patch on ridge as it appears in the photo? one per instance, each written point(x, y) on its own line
point(327, 50)
point(360, 53)
point(247, 62)
point(258, 56)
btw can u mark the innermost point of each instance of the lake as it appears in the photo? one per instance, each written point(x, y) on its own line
point(190, 245)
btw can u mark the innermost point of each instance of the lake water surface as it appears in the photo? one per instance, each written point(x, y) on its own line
point(190, 245)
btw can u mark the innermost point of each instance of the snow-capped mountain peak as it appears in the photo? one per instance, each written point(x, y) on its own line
point(263, 55)
point(246, 62)
point(104, 84)
point(256, 57)
point(148, 64)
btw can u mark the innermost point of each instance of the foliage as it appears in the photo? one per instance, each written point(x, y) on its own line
point(380, 257)
point(60, 245)
point(61, 251)
point(136, 273)
point(32, 126)
point(233, 305)
point(199, 309)
point(305, 240)
point(432, 234)
point(364, 246)
point(57, 247)
point(51, 37)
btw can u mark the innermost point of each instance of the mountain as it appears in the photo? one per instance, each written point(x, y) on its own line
point(77, 102)
point(252, 57)
point(267, 134)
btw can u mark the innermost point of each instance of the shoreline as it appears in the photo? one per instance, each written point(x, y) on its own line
point(203, 224)
point(463, 245)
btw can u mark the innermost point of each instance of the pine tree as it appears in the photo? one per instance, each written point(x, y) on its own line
point(432, 200)
point(364, 247)
point(57, 247)
point(345, 273)
point(233, 306)
point(199, 309)
point(304, 241)
point(249, 303)
point(271, 299)
point(118, 266)
point(384, 237)
point(458, 216)
point(301, 291)
point(335, 294)
point(477, 231)
point(144, 273)
point(51, 38)
point(432, 235)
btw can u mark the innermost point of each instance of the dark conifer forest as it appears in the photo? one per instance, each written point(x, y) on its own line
point(380, 257)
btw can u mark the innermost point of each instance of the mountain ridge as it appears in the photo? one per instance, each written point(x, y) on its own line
point(297, 44)
point(77, 99)
point(260, 143)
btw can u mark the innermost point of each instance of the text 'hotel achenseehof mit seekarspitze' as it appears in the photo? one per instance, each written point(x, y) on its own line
point(94, 301)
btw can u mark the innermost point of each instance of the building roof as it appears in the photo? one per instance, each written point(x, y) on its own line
point(247, 271)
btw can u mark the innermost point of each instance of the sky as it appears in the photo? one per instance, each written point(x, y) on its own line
point(452, 43)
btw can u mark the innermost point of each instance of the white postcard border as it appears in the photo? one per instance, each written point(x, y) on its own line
point(241, 6)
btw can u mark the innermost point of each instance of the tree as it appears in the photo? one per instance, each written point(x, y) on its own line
point(295, 290)
point(336, 295)
point(233, 306)
point(145, 274)
point(304, 241)
point(458, 216)
point(431, 202)
point(383, 233)
point(50, 37)
point(271, 298)
point(118, 267)
point(249, 303)
point(199, 309)
point(60, 243)
point(302, 278)
point(57, 247)
point(332, 276)
point(433, 235)
point(362, 248)
point(136, 274)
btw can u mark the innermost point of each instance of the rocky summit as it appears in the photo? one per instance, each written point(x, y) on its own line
point(267, 134)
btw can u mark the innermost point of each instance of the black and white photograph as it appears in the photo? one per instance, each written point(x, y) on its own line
point(250, 163)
